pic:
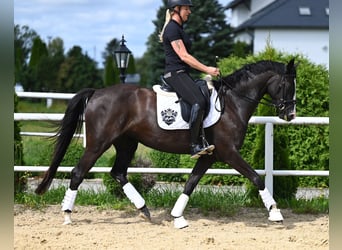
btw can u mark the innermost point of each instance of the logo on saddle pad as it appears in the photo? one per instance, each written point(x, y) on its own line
point(169, 116)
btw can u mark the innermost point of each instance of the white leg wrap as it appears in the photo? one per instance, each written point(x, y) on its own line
point(67, 219)
point(180, 223)
point(267, 198)
point(180, 205)
point(69, 200)
point(133, 195)
point(275, 215)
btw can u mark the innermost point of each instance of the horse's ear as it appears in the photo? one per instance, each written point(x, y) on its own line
point(290, 66)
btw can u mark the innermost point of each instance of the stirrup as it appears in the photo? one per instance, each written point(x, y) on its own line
point(205, 149)
point(199, 154)
point(208, 148)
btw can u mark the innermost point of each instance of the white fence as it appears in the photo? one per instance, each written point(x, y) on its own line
point(269, 122)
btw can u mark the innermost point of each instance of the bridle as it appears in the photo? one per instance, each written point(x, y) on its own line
point(281, 105)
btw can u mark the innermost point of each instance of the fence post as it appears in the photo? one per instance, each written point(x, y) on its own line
point(269, 156)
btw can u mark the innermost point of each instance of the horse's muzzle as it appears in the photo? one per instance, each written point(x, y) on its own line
point(287, 116)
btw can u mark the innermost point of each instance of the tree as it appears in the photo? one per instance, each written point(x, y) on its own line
point(78, 71)
point(36, 67)
point(44, 64)
point(110, 75)
point(109, 50)
point(131, 65)
point(56, 47)
point(53, 63)
point(38, 51)
point(23, 40)
point(207, 29)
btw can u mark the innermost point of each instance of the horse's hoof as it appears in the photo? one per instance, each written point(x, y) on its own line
point(275, 215)
point(67, 219)
point(145, 213)
point(180, 223)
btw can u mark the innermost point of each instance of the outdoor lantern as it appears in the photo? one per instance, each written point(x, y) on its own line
point(122, 54)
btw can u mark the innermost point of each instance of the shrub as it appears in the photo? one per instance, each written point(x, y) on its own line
point(20, 179)
point(167, 160)
point(71, 158)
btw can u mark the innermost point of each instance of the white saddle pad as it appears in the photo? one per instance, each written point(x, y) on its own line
point(169, 112)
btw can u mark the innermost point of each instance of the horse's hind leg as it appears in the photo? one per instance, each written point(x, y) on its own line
point(77, 175)
point(125, 149)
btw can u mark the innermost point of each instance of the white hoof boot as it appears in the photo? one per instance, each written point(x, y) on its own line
point(180, 223)
point(67, 219)
point(275, 215)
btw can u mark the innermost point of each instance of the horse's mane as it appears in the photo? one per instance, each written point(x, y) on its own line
point(251, 69)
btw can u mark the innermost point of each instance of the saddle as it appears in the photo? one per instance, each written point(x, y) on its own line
point(186, 107)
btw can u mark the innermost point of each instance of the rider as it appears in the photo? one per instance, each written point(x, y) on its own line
point(178, 61)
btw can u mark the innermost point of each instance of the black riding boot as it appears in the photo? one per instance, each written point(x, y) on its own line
point(197, 148)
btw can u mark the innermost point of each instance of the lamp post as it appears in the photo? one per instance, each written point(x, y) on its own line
point(122, 54)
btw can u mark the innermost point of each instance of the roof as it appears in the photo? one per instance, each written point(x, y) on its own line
point(235, 3)
point(285, 14)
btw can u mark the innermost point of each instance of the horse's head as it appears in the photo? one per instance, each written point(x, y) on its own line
point(282, 89)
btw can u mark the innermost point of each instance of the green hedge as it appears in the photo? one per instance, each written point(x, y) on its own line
point(20, 179)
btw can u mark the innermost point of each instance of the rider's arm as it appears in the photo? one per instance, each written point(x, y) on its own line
point(179, 47)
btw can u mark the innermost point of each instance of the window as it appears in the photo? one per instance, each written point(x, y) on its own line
point(304, 11)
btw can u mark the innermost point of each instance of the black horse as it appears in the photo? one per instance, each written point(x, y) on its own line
point(124, 115)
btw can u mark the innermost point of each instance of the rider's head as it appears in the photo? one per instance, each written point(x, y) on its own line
point(180, 7)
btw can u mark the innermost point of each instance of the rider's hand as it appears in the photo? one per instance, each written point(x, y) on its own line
point(213, 71)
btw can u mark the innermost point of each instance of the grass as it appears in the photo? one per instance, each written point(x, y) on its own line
point(222, 203)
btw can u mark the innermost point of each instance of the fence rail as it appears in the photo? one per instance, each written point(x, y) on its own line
point(177, 171)
point(269, 122)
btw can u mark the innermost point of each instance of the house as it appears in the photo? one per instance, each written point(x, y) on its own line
point(291, 26)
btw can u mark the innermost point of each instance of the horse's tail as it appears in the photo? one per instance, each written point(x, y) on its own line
point(72, 121)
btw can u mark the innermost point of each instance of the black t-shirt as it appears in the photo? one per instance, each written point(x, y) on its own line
point(173, 31)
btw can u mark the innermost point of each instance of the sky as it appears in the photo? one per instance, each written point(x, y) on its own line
point(91, 24)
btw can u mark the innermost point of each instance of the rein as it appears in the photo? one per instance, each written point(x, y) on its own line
point(280, 106)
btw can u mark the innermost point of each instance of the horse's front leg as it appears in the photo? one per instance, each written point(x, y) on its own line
point(199, 170)
point(238, 163)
